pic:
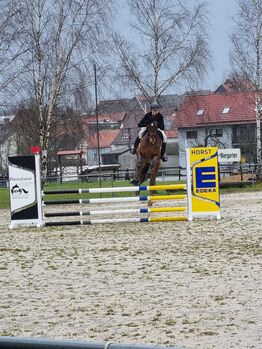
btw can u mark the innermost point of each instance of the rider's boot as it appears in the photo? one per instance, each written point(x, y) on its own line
point(163, 153)
point(133, 150)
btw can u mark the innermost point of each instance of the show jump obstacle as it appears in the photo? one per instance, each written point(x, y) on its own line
point(201, 193)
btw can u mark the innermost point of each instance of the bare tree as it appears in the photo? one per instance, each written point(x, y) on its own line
point(246, 57)
point(10, 50)
point(171, 47)
point(60, 36)
point(66, 131)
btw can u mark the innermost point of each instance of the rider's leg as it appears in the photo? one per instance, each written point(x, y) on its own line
point(163, 152)
point(140, 135)
point(163, 148)
point(133, 150)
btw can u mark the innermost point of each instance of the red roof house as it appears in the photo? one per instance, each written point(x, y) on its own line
point(218, 109)
point(225, 120)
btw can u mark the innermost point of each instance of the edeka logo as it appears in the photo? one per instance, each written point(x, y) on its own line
point(205, 179)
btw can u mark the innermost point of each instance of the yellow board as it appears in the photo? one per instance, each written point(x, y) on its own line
point(205, 180)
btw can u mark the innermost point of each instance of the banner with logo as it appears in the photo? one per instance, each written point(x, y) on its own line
point(205, 198)
point(24, 189)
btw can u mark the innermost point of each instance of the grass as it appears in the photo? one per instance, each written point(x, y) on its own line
point(5, 203)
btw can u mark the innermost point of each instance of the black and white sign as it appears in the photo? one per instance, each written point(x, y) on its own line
point(24, 185)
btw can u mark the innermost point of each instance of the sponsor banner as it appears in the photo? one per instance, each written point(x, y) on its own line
point(229, 155)
point(22, 184)
point(205, 180)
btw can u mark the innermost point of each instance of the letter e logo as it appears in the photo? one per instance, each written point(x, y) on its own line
point(205, 177)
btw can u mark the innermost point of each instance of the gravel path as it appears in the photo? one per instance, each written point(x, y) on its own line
point(186, 284)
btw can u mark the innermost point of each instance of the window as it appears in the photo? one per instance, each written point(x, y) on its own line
point(125, 136)
point(217, 132)
point(191, 134)
point(225, 110)
point(200, 111)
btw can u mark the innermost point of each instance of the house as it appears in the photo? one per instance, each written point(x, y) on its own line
point(226, 120)
point(8, 145)
point(105, 139)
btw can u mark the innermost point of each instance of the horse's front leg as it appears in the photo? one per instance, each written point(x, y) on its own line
point(154, 171)
point(136, 178)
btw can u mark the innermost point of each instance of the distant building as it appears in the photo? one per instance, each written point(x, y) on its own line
point(226, 120)
point(8, 145)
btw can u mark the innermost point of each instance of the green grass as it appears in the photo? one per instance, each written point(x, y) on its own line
point(4, 198)
point(4, 192)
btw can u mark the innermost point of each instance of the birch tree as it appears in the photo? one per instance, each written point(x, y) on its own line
point(10, 50)
point(60, 36)
point(171, 47)
point(246, 57)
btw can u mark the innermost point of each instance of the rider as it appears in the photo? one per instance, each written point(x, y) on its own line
point(154, 114)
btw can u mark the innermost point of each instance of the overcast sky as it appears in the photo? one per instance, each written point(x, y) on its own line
point(221, 12)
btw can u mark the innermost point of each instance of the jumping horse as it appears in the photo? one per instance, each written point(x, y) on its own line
point(148, 155)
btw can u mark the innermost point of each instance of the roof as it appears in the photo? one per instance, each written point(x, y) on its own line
point(105, 117)
point(69, 152)
point(171, 133)
point(5, 118)
point(235, 84)
point(215, 109)
point(117, 151)
point(137, 103)
point(106, 138)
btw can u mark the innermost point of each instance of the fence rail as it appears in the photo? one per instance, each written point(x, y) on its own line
point(166, 174)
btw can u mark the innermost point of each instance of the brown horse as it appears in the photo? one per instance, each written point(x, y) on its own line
point(148, 155)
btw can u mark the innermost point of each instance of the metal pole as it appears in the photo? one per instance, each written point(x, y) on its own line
point(97, 128)
point(33, 343)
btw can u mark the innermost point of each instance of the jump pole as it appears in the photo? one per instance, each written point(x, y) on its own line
point(118, 220)
point(116, 189)
point(118, 211)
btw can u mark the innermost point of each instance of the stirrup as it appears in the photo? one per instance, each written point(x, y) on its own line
point(133, 151)
point(164, 158)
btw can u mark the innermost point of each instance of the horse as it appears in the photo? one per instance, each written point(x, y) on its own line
point(148, 155)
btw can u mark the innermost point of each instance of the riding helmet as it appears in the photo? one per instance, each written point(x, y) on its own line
point(154, 106)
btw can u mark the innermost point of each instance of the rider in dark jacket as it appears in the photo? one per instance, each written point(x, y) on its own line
point(148, 118)
point(154, 114)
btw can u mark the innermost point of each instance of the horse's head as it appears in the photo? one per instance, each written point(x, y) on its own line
point(152, 132)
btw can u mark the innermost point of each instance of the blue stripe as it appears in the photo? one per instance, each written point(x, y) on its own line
point(143, 220)
point(143, 198)
point(143, 187)
point(143, 210)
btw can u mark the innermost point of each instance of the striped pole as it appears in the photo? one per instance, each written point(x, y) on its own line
point(117, 189)
point(118, 220)
point(120, 199)
point(111, 212)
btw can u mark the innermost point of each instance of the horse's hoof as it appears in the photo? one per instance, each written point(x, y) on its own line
point(134, 182)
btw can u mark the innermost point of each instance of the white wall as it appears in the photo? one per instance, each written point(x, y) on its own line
point(224, 142)
point(8, 148)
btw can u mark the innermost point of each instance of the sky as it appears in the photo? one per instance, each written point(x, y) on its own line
point(221, 23)
point(220, 14)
